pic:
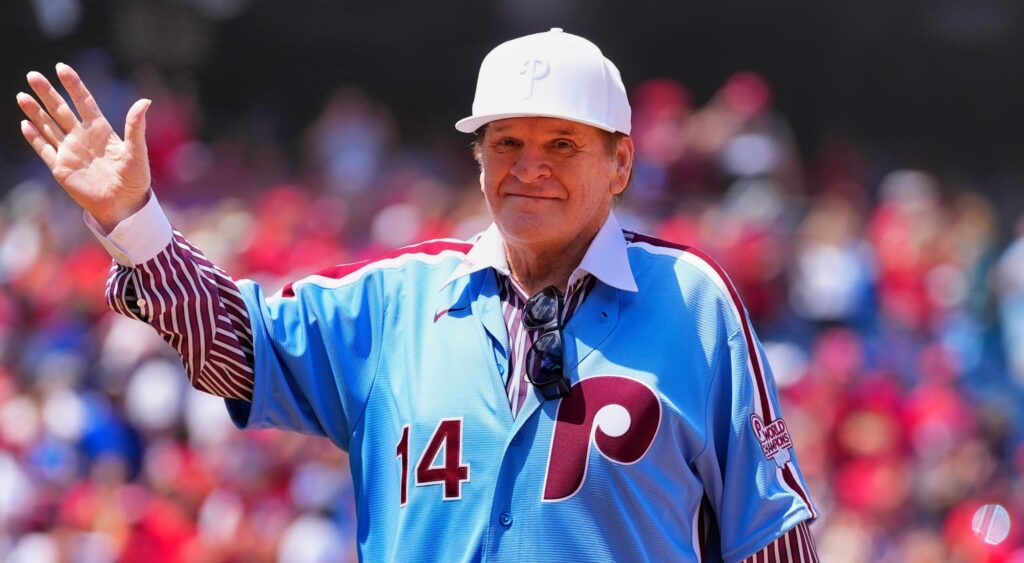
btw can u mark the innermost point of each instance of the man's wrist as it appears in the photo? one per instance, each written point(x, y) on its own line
point(111, 218)
point(136, 238)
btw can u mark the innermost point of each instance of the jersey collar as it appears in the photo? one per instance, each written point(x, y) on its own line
point(606, 257)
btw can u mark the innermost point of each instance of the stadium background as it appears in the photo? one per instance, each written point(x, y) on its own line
point(856, 166)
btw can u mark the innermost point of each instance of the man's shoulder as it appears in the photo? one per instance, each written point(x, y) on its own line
point(688, 262)
point(429, 258)
point(699, 280)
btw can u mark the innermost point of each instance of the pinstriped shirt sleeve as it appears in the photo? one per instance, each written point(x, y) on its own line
point(795, 546)
point(193, 305)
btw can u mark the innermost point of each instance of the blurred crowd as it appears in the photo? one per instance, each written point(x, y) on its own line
point(890, 304)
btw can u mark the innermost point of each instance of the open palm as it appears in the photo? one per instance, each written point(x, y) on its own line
point(105, 175)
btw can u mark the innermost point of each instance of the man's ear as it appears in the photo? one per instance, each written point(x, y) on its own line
point(624, 151)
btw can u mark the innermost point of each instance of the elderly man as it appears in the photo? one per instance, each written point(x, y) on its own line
point(556, 388)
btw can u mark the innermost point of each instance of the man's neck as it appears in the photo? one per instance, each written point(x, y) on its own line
point(536, 268)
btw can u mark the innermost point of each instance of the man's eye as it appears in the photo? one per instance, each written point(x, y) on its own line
point(563, 144)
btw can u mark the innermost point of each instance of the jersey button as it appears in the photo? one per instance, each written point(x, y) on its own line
point(517, 439)
point(501, 369)
point(505, 519)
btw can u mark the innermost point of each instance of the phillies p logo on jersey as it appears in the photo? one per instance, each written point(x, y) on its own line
point(616, 415)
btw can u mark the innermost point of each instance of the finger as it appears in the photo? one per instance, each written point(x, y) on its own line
point(80, 95)
point(55, 105)
point(42, 147)
point(50, 130)
point(135, 128)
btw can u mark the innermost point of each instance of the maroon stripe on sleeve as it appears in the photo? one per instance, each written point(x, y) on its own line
point(168, 299)
point(805, 536)
point(809, 549)
point(180, 314)
point(205, 313)
point(192, 310)
point(790, 477)
point(211, 383)
point(227, 378)
point(116, 290)
point(794, 548)
point(178, 317)
point(814, 546)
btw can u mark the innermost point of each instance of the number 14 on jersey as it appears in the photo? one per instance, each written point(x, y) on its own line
point(449, 471)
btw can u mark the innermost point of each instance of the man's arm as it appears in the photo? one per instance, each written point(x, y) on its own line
point(752, 477)
point(748, 466)
point(197, 309)
point(194, 306)
point(160, 278)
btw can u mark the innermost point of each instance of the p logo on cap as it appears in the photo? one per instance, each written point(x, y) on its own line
point(550, 74)
point(532, 70)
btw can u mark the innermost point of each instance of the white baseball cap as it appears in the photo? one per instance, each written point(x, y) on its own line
point(550, 74)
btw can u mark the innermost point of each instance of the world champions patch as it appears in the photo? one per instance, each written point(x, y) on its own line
point(774, 439)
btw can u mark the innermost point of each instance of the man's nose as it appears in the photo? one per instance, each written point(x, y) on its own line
point(531, 166)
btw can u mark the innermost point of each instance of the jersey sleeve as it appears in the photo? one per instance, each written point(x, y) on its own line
point(315, 350)
point(301, 362)
point(748, 465)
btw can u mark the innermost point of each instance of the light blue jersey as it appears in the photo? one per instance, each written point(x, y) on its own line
point(402, 364)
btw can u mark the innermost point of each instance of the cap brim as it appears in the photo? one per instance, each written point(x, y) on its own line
point(474, 122)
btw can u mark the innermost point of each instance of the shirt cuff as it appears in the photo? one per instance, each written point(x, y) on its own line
point(136, 239)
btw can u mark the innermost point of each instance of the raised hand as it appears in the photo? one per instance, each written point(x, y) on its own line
point(106, 176)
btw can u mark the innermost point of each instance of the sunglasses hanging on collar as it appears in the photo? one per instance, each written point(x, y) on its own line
point(543, 315)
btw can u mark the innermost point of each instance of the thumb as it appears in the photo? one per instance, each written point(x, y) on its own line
point(135, 128)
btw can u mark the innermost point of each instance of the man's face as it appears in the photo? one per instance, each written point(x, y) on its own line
point(550, 181)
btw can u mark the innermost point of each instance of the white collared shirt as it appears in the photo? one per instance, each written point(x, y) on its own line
point(605, 258)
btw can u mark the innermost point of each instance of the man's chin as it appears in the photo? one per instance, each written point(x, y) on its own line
point(528, 227)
